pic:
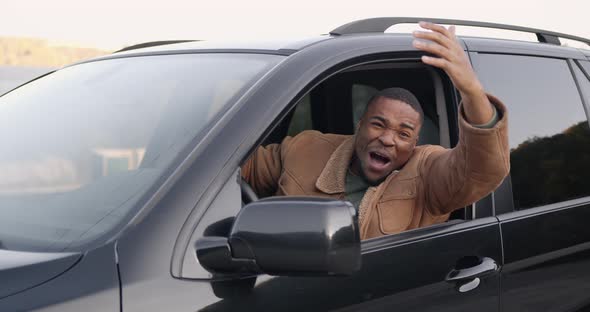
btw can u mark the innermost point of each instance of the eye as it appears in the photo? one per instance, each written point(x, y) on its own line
point(377, 124)
point(405, 135)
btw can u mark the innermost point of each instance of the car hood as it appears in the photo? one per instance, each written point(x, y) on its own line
point(23, 270)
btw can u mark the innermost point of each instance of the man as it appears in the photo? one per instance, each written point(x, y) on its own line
point(395, 185)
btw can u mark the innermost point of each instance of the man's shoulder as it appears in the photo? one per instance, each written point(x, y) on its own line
point(312, 137)
point(306, 156)
point(419, 156)
point(427, 149)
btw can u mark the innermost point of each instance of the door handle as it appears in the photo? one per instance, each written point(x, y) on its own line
point(468, 271)
point(485, 267)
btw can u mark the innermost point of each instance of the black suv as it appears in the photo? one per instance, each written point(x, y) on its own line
point(120, 188)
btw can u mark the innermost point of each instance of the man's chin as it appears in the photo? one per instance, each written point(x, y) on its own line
point(373, 181)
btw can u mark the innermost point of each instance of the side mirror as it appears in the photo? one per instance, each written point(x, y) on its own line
point(287, 236)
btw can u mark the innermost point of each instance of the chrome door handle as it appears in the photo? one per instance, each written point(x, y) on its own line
point(467, 276)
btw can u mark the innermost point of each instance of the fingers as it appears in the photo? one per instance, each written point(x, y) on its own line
point(441, 42)
point(436, 62)
point(433, 36)
point(439, 34)
point(439, 29)
point(447, 54)
point(433, 48)
point(452, 31)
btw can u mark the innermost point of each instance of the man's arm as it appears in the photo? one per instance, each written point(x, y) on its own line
point(263, 168)
point(480, 161)
point(475, 167)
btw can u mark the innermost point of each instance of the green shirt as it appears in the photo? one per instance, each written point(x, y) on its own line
point(355, 189)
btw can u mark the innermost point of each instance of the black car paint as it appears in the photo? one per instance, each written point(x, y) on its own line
point(23, 270)
point(531, 247)
point(546, 258)
point(91, 284)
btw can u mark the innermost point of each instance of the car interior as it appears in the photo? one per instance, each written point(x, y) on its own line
point(336, 105)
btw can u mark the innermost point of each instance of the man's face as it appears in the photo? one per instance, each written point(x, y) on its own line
point(386, 137)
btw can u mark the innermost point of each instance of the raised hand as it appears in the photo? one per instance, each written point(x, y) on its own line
point(450, 57)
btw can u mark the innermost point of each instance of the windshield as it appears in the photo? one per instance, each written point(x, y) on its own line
point(82, 145)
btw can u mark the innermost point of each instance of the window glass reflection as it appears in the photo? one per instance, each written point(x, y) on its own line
point(549, 133)
point(82, 145)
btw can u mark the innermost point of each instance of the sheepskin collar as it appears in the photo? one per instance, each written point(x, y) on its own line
point(332, 180)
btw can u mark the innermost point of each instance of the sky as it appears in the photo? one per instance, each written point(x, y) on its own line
point(112, 24)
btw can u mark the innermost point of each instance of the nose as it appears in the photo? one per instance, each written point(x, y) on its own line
point(387, 138)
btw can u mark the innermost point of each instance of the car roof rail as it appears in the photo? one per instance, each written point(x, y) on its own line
point(152, 44)
point(380, 24)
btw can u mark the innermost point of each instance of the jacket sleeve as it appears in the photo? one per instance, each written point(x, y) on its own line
point(454, 178)
point(264, 167)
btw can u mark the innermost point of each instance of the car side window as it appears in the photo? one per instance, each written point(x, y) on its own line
point(361, 94)
point(301, 117)
point(549, 136)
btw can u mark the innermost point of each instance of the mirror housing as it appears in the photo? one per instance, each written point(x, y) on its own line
point(287, 236)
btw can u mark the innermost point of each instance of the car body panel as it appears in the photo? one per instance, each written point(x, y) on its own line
point(22, 270)
point(385, 281)
point(269, 44)
point(92, 284)
point(546, 251)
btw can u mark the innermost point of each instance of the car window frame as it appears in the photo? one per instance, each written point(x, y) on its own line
point(584, 68)
point(371, 50)
point(472, 216)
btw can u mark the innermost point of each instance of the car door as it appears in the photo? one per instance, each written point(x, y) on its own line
point(545, 204)
point(403, 272)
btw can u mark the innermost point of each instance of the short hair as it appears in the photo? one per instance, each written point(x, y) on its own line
point(399, 94)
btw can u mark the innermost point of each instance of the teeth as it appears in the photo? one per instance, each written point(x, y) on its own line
point(380, 157)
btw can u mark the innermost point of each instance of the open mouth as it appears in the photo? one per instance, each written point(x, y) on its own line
point(379, 159)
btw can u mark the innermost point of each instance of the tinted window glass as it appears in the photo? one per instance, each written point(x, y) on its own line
point(361, 94)
point(81, 146)
point(549, 135)
point(301, 117)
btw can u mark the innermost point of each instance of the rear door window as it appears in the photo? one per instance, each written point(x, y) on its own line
point(548, 128)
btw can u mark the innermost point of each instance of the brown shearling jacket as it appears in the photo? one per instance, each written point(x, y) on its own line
point(434, 182)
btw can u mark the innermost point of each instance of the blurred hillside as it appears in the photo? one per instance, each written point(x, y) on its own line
point(40, 53)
